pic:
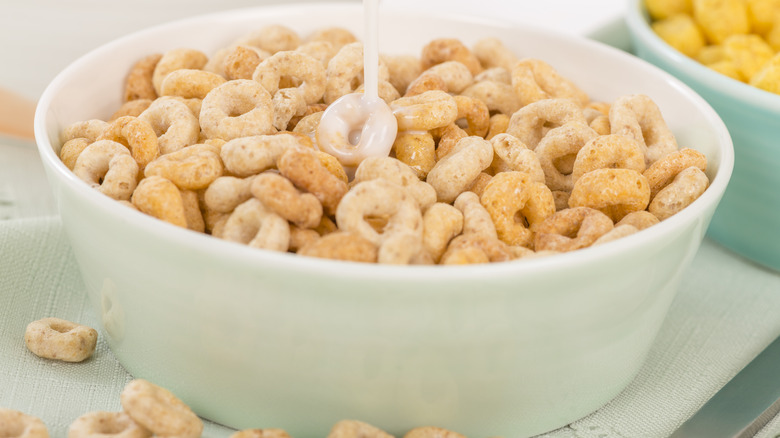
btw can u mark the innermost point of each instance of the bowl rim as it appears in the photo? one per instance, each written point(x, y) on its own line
point(638, 23)
point(244, 254)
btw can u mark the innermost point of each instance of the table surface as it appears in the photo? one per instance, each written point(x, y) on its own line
point(724, 314)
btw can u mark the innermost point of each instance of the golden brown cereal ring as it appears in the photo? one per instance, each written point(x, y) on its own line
point(449, 49)
point(159, 411)
point(55, 338)
point(71, 150)
point(304, 168)
point(459, 250)
point(534, 80)
point(479, 184)
point(601, 125)
point(425, 82)
point(616, 233)
point(337, 36)
point(558, 144)
point(106, 424)
point(190, 168)
point(639, 220)
point(138, 84)
point(497, 125)
point(686, 187)
point(131, 108)
point(475, 113)
point(432, 432)
point(89, 129)
point(614, 192)
point(272, 38)
point(516, 156)
point(639, 118)
point(402, 248)
point(254, 224)
point(399, 173)
point(173, 122)
point(441, 223)
point(663, 171)
point(608, 151)
point(322, 51)
point(260, 433)
point(333, 165)
point(192, 211)
point(476, 219)
point(310, 110)
point(492, 52)
point(246, 156)
point(498, 96)
point(190, 83)
point(287, 103)
point(464, 255)
point(571, 229)
point(160, 198)
point(495, 74)
point(108, 167)
point(240, 62)
point(278, 193)
point(296, 64)
point(301, 237)
point(226, 192)
point(341, 245)
point(345, 72)
point(532, 121)
point(455, 172)
point(417, 150)
point(402, 70)
point(137, 135)
point(238, 108)
point(176, 59)
point(426, 111)
point(450, 136)
point(455, 75)
point(16, 424)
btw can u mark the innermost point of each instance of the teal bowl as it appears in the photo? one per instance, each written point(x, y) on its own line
point(748, 218)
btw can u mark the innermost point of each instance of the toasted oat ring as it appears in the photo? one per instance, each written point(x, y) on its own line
point(425, 82)
point(55, 338)
point(322, 51)
point(159, 411)
point(614, 192)
point(131, 108)
point(417, 150)
point(402, 70)
point(534, 80)
point(618, 232)
point(345, 72)
point(495, 74)
point(190, 168)
point(226, 192)
point(686, 187)
point(138, 84)
point(639, 220)
point(571, 229)
point(449, 49)
point(337, 36)
point(401, 248)
point(160, 198)
point(254, 224)
point(108, 167)
point(639, 118)
point(664, 170)
point(71, 150)
point(426, 111)
point(296, 64)
point(176, 59)
point(608, 151)
point(516, 156)
point(238, 108)
point(531, 122)
point(461, 250)
point(441, 223)
point(173, 122)
point(492, 53)
point(475, 114)
point(476, 219)
point(272, 38)
point(562, 143)
point(240, 61)
point(304, 168)
point(190, 83)
point(395, 171)
point(137, 135)
point(17, 424)
point(516, 204)
point(101, 424)
point(455, 74)
point(498, 96)
point(333, 165)
point(497, 125)
point(278, 193)
point(89, 129)
point(246, 156)
point(455, 172)
point(341, 245)
point(450, 136)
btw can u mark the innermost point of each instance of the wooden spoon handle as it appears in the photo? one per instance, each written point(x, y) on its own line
point(16, 115)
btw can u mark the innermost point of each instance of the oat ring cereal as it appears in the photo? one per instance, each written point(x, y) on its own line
point(138, 84)
point(237, 108)
point(397, 172)
point(514, 155)
point(615, 192)
point(663, 171)
point(160, 198)
point(534, 79)
point(571, 229)
point(531, 122)
point(173, 122)
point(278, 193)
point(441, 50)
point(559, 144)
point(498, 96)
point(417, 149)
point(426, 111)
point(608, 151)
point(247, 156)
point(686, 187)
point(227, 192)
point(492, 53)
point(254, 224)
point(455, 76)
point(137, 135)
point(190, 168)
point(299, 65)
point(159, 411)
point(441, 223)
point(341, 245)
point(304, 168)
point(176, 59)
point(190, 83)
point(639, 118)
point(457, 170)
point(16, 424)
point(108, 167)
point(88, 129)
point(475, 113)
point(344, 73)
point(106, 424)
point(55, 338)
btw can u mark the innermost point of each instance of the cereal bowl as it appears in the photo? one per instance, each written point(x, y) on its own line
point(252, 338)
point(746, 220)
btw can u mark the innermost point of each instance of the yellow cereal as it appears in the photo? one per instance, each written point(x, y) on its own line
point(773, 36)
point(720, 19)
point(711, 54)
point(762, 14)
point(727, 68)
point(660, 9)
point(748, 53)
point(768, 78)
point(680, 32)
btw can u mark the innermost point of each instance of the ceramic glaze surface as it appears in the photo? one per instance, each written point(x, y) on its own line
point(251, 338)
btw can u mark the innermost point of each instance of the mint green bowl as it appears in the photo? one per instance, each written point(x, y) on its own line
point(748, 218)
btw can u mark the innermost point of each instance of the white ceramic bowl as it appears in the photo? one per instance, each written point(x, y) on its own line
point(251, 338)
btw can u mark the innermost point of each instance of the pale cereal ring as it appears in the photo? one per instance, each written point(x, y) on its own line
point(464, 255)
point(614, 192)
point(516, 156)
point(562, 144)
point(254, 224)
point(417, 150)
point(17, 424)
point(401, 248)
point(476, 219)
point(190, 83)
point(333, 165)
point(296, 64)
point(402, 70)
point(322, 51)
point(571, 229)
point(345, 72)
point(137, 135)
point(432, 432)
point(278, 193)
point(55, 338)
point(608, 151)
point(385, 90)
point(337, 36)
point(455, 75)
point(450, 136)
point(304, 168)
point(89, 129)
point(616, 233)
point(498, 96)
point(260, 433)
point(226, 192)
point(497, 125)
point(441, 50)
point(190, 168)
point(475, 114)
point(160, 198)
point(639, 220)
point(601, 125)
point(426, 111)
point(173, 122)
point(138, 84)
point(287, 103)
point(492, 52)
point(301, 237)
point(455, 172)
point(399, 173)
point(663, 171)
point(441, 223)
point(479, 183)
point(237, 108)
point(639, 118)
point(71, 150)
point(532, 121)
point(341, 245)
point(159, 410)
point(131, 108)
point(106, 424)
point(192, 211)
point(108, 167)
point(493, 249)
point(310, 110)
point(425, 82)
point(240, 62)
point(246, 156)
point(495, 74)
point(272, 38)
point(534, 80)
point(176, 59)
point(686, 187)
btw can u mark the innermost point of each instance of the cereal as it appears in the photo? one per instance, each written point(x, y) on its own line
point(474, 113)
point(450, 136)
point(402, 70)
point(397, 172)
point(160, 198)
point(254, 224)
point(559, 144)
point(55, 338)
point(498, 96)
point(639, 220)
point(663, 171)
point(345, 72)
point(456, 171)
point(307, 172)
point(432, 432)
point(131, 108)
point(615, 192)
point(322, 51)
point(686, 187)
point(456, 76)
point(660, 9)
point(272, 38)
point(246, 156)
point(88, 129)
point(426, 111)
point(476, 219)
point(137, 135)
point(342, 245)
point(173, 60)
point(417, 150)
point(260, 433)
point(71, 150)
point(278, 193)
point(190, 168)
point(356, 429)
point(106, 424)
point(16, 424)
point(449, 49)
point(748, 53)
point(618, 232)
point(531, 122)
point(639, 118)
point(681, 32)
point(138, 84)
point(534, 80)
point(720, 19)
point(240, 62)
point(108, 167)
point(571, 229)
point(190, 83)
point(441, 223)
point(491, 53)
point(496, 74)
point(768, 78)
point(235, 109)
point(608, 151)
point(296, 64)
point(159, 411)
point(173, 123)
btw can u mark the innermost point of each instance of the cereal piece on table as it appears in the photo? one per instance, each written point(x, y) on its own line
point(441, 50)
point(272, 38)
point(160, 198)
point(686, 187)
point(534, 80)
point(190, 83)
point(608, 151)
point(55, 338)
point(71, 150)
point(719, 19)
point(105, 425)
point(441, 223)
point(660, 9)
point(176, 59)
point(108, 167)
point(663, 171)
point(452, 174)
point(491, 53)
point(254, 224)
point(237, 108)
point(341, 245)
point(498, 96)
point(614, 192)
point(17, 424)
point(173, 122)
point(280, 195)
point(638, 117)
point(247, 156)
point(531, 122)
point(159, 411)
point(559, 144)
point(416, 149)
point(260, 433)
point(138, 84)
point(135, 134)
point(749, 53)
point(190, 168)
point(680, 32)
point(768, 78)
point(571, 229)
point(432, 432)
